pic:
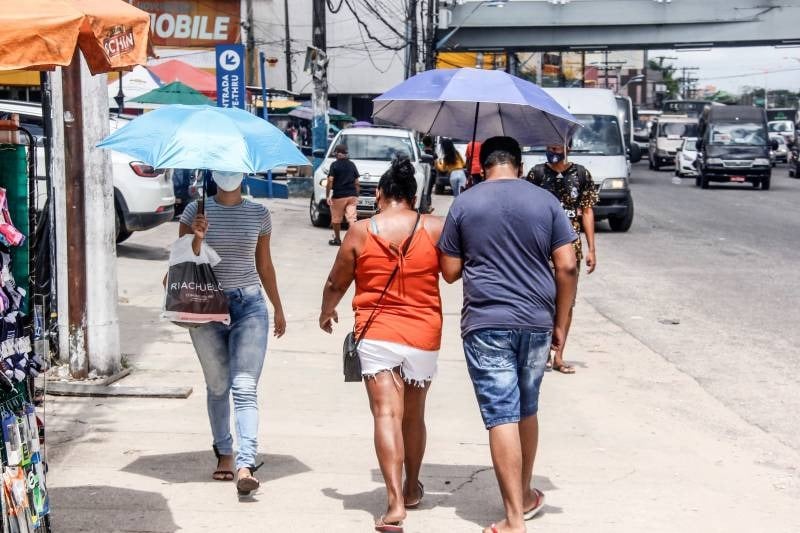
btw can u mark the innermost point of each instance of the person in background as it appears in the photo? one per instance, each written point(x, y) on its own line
point(232, 356)
point(473, 160)
point(401, 343)
point(429, 149)
point(510, 301)
point(572, 185)
point(342, 191)
point(452, 164)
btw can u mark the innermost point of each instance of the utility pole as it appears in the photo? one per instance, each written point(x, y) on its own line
point(287, 46)
point(319, 73)
point(76, 237)
point(413, 38)
point(251, 44)
point(687, 81)
point(430, 34)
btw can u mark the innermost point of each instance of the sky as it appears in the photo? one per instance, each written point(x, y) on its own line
point(730, 69)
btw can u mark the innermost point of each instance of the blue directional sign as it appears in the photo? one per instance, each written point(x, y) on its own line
point(231, 90)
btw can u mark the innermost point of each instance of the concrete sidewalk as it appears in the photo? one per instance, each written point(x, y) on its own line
point(628, 444)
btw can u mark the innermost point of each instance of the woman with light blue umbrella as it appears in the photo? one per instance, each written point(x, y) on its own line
point(229, 142)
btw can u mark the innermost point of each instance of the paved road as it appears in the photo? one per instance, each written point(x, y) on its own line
point(723, 262)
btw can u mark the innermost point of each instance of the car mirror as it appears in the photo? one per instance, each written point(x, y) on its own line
point(698, 144)
point(318, 153)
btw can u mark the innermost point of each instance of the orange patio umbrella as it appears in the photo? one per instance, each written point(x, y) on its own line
point(42, 34)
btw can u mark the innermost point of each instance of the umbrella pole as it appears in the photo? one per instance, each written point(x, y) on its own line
point(472, 152)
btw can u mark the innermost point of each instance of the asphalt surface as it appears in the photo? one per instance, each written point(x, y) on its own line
point(708, 280)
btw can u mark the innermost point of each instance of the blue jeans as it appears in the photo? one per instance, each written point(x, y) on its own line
point(506, 367)
point(232, 358)
point(458, 179)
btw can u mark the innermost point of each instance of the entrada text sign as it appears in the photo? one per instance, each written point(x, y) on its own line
point(230, 75)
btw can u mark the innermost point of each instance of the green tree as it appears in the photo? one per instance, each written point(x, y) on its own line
point(668, 75)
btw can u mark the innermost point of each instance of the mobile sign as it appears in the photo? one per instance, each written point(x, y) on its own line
point(230, 75)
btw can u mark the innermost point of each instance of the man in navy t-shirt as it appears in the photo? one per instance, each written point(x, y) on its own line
point(501, 237)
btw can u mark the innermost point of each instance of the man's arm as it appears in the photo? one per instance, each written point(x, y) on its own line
point(356, 175)
point(566, 274)
point(451, 267)
point(329, 188)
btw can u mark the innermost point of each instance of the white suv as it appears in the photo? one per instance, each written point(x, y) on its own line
point(143, 197)
point(371, 150)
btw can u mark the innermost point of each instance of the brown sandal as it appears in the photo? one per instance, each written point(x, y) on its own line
point(246, 485)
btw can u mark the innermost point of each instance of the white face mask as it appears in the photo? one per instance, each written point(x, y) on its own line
point(227, 181)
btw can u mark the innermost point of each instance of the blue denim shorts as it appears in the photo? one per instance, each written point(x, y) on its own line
point(506, 367)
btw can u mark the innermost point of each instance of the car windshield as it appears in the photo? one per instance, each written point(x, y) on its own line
point(376, 147)
point(689, 144)
point(677, 129)
point(780, 127)
point(600, 135)
point(737, 133)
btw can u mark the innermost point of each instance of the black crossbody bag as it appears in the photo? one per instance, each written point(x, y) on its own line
point(351, 362)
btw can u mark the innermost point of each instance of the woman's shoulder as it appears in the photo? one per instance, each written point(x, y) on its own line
point(255, 207)
point(433, 225)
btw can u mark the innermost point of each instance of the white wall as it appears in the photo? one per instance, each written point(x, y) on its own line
point(352, 69)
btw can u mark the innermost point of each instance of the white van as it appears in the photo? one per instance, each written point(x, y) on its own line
point(600, 147)
point(143, 197)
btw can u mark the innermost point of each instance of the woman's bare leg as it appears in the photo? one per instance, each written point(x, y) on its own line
point(414, 438)
point(386, 397)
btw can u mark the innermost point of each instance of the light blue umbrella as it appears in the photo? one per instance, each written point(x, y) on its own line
point(213, 138)
point(476, 103)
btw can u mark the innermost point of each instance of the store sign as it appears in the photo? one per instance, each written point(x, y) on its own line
point(231, 90)
point(192, 23)
point(118, 41)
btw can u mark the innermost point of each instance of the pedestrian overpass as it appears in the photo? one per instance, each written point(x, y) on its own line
point(574, 25)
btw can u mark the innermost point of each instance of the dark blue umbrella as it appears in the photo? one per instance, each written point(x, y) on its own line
point(474, 103)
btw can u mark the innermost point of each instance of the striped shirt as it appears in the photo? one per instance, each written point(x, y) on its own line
point(233, 232)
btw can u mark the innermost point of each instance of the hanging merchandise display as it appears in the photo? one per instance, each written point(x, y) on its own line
point(24, 506)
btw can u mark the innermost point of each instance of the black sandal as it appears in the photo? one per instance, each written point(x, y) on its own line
point(246, 485)
point(226, 475)
point(335, 242)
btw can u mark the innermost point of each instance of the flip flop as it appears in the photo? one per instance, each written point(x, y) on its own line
point(390, 527)
point(421, 495)
point(564, 368)
point(537, 507)
point(246, 485)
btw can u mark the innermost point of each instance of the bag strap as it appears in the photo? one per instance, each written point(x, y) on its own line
point(388, 283)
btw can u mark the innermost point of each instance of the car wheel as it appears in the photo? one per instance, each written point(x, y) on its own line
point(623, 223)
point(439, 188)
point(119, 227)
point(765, 183)
point(318, 219)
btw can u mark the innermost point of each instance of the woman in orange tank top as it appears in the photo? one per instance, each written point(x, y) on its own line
point(401, 344)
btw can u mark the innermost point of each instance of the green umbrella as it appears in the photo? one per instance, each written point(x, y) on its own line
point(173, 93)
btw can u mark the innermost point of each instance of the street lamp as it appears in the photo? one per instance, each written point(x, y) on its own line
point(120, 98)
point(489, 3)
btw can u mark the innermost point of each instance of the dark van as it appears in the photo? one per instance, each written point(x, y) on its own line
point(734, 146)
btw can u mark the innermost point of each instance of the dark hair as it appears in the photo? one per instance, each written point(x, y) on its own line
point(500, 151)
point(399, 183)
point(449, 151)
point(340, 149)
point(427, 141)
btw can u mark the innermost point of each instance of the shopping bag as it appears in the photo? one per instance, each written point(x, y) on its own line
point(193, 295)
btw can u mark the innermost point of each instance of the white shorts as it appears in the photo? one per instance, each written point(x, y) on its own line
point(416, 366)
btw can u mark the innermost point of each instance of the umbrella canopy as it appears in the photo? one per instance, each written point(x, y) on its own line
point(474, 103)
point(177, 70)
point(306, 113)
point(134, 83)
point(40, 34)
point(173, 93)
point(214, 138)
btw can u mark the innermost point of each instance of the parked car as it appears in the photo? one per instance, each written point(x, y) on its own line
point(734, 147)
point(599, 146)
point(781, 153)
point(685, 158)
point(143, 196)
point(372, 150)
point(666, 136)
